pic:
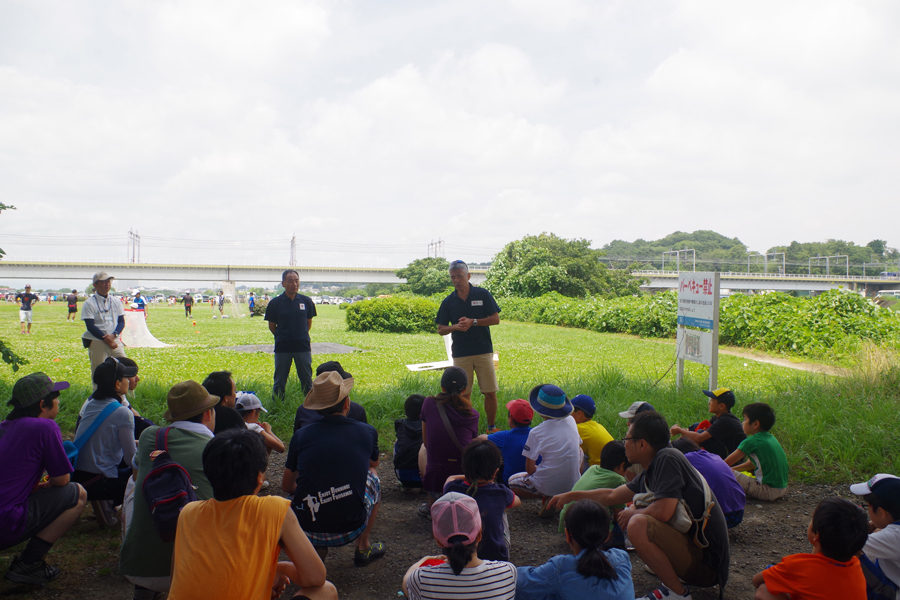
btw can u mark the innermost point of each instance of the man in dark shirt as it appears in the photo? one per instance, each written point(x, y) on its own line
point(290, 318)
point(672, 555)
point(72, 302)
point(188, 304)
point(24, 300)
point(467, 314)
point(724, 433)
point(221, 384)
point(305, 416)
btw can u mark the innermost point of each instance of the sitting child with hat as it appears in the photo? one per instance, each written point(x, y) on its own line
point(594, 436)
point(556, 442)
point(880, 558)
point(511, 441)
point(249, 406)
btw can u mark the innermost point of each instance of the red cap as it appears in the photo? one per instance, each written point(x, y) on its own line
point(520, 411)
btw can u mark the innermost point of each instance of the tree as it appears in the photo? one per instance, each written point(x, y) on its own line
point(426, 276)
point(2, 208)
point(539, 264)
point(9, 357)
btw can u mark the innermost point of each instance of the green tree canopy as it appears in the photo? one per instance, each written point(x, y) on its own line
point(539, 264)
point(6, 353)
point(426, 276)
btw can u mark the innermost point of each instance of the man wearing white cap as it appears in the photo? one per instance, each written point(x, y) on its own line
point(104, 320)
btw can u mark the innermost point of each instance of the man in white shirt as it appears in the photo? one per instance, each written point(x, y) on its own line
point(104, 320)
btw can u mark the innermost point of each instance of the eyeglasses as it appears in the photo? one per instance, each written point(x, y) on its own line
point(625, 439)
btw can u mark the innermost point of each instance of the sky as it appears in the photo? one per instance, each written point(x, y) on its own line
point(218, 130)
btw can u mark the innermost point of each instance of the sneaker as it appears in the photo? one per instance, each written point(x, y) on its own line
point(372, 553)
point(425, 510)
point(36, 574)
point(664, 593)
point(491, 429)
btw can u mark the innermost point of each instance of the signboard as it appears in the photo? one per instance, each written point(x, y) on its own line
point(696, 303)
point(695, 346)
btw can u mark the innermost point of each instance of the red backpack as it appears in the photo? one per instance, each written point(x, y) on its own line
point(167, 488)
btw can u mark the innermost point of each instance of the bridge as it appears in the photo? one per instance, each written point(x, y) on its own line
point(264, 274)
point(871, 284)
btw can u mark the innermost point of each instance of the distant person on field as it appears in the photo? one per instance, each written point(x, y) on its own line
point(33, 509)
point(723, 433)
point(188, 304)
point(249, 406)
point(837, 532)
point(251, 303)
point(409, 443)
point(511, 442)
point(25, 300)
point(72, 303)
point(467, 315)
point(290, 318)
point(221, 303)
point(594, 436)
point(719, 476)
point(556, 443)
point(305, 416)
point(881, 555)
point(222, 384)
point(104, 320)
point(141, 302)
point(246, 530)
point(763, 453)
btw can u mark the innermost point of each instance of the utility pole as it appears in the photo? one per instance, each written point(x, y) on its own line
point(438, 248)
point(293, 261)
point(134, 246)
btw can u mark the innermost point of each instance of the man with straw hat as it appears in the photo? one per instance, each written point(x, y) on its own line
point(331, 473)
point(145, 559)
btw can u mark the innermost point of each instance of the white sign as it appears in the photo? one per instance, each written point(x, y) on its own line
point(694, 345)
point(696, 303)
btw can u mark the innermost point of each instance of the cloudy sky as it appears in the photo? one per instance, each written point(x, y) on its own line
point(218, 129)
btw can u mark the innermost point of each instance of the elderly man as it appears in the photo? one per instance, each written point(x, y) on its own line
point(104, 320)
point(290, 318)
point(675, 557)
point(331, 472)
point(145, 559)
point(467, 314)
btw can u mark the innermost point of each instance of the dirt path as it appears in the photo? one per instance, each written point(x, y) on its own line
point(769, 531)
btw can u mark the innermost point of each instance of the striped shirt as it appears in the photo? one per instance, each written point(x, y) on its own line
point(491, 580)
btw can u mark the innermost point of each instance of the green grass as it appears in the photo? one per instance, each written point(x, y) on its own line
point(831, 428)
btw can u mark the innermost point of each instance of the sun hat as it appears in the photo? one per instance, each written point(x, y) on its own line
point(102, 276)
point(585, 404)
point(882, 485)
point(327, 390)
point(33, 388)
point(188, 399)
point(247, 401)
point(635, 408)
point(520, 410)
point(549, 401)
point(723, 395)
point(332, 365)
point(455, 514)
point(454, 380)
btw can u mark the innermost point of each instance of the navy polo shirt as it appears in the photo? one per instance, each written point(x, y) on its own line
point(291, 316)
point(478, 305)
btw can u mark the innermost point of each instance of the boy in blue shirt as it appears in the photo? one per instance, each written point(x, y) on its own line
point(512, 441)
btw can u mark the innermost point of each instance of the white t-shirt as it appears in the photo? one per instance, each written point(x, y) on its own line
point(104, 311)
point(557, 442)
point(491, 580)
point(884, 546)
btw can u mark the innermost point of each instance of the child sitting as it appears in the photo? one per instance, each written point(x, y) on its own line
point(249, 406)
point(764, 455)
point(588, 572)
point(409, 442)
point(723, 432)
point(556, 443)
point(459, 572)
point(593, 435)
point(228, 547)
point(881, 555)
point(481, 465)
point(512, 441)
point(837, 533)
point(610, 474)
point(720, 478)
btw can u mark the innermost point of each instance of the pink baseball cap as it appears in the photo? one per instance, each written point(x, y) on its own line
point(455, 514)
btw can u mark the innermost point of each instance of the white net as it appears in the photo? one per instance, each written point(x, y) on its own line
point(234, 305)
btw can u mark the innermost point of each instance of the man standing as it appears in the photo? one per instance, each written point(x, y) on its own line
point(25, 300)
point(72, 302)
point(141, 302)
point(251, 303)
point(188, 304)
point(467, 314)
point(221, 303)
point(104, 320)
point(290, 318)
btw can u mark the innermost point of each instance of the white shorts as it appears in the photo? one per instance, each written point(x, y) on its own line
point(25, 316)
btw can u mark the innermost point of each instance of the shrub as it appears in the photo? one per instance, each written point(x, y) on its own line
point(259, 309)
point(397, 314)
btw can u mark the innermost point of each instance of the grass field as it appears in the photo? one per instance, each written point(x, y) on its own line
point(831, 428)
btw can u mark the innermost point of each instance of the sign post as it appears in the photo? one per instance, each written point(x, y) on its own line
point(698, 306)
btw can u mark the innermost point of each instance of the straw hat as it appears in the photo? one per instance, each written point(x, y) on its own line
point(328, 389)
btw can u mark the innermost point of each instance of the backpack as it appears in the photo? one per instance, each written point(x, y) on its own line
point(167, 488)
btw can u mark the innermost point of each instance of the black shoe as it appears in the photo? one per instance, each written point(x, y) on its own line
point(36, 574)
point(374, 552)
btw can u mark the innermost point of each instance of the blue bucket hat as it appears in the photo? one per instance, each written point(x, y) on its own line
point(550, 401)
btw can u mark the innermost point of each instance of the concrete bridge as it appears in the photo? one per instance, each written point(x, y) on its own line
point(264, 274)
point(871, 284)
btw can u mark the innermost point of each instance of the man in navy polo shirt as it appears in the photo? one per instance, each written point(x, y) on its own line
point(467, 313)
point(290, 318)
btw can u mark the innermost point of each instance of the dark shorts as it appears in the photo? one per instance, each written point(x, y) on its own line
point(73, 309)
point(44, 507)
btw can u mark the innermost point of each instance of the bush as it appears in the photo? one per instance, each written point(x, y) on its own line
point(397, 314)
point(259, 309)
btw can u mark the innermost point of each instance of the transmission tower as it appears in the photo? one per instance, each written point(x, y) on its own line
point(437, 247)
point(134, 246)
point(293, 251)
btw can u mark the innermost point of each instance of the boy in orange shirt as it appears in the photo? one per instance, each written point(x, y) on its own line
point(837, 532)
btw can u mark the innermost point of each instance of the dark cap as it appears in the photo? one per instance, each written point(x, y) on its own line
point(454, 380)
point(585, 404)
point(333, 365)
point(722, 395)
point(33, 388)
